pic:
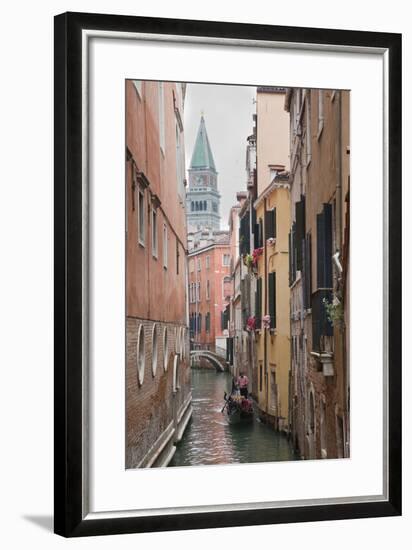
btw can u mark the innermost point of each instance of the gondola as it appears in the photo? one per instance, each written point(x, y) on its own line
point(238, 408)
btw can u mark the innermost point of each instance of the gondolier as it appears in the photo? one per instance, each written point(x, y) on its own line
point(242, 383)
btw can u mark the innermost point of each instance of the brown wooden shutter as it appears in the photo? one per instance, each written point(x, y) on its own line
point(272, 299)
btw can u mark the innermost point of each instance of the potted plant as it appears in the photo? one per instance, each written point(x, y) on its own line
point(334, 311)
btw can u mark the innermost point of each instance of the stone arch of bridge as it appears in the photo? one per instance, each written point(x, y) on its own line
point(216, 360)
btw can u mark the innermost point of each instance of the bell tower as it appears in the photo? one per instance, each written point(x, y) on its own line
point(202, 196)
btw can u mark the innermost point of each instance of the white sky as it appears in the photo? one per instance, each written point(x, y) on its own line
point(228, 112)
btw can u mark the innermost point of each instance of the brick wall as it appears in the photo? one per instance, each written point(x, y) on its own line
point(151, 406)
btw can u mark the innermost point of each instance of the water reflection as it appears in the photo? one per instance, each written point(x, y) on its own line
point(210, 439)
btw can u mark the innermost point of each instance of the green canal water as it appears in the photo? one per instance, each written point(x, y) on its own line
point(210, 439)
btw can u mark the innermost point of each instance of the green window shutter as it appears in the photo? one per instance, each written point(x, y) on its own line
point(324, 247)
point(290, 258)
point(293, 242)
point(269, 224)
point(300, 231)
point(272, 299)
point(308, 272)
point(327, 215)
point(320, 249)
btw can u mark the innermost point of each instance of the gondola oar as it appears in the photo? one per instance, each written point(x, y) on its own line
point(226, 402)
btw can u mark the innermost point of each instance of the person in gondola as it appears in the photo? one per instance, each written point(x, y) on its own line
point(242, 383)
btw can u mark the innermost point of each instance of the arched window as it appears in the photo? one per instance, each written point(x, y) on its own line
point(204, 205)
point(192, 206)
point(140, 355)
point(154, 349)
point(165, 349)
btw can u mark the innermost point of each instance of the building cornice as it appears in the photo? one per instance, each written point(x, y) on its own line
point(272, 187)
point(206, 248)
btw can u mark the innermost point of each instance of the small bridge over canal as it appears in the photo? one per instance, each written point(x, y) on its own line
point(216, 359)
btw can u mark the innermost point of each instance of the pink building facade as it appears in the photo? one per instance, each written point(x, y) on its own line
point(158, 398)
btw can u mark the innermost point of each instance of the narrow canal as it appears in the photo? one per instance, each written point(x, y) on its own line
point(210, 439)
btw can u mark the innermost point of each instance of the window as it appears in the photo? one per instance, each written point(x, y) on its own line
point(308, 129)
point(198, 292)
point(260, 376)
point(307, 272)
point(154, 350)
point(300, 229)
point(161, 117)
point(177, 256)
point(207, 322)
point(180, 165)
point(207, 262)
point(198, 264)
point(226, 287)
point(200, 322)
point(226, 259)
point(214, 206)
point(270, 224)
point(154, 232)
point(244, 234)
point(258, 234)
point(141, 216)
point(207, 290)
point(165, 349)
point(138, 87)
point(140, 355)
point(324, 247)
point(165, 245)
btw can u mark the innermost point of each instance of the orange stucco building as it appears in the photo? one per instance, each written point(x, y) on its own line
point(157, 376)
point(210, 288)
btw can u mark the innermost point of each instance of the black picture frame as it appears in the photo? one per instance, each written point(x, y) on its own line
point(69, 519)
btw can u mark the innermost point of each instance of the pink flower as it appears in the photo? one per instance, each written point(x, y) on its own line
point(256, 254)
point(266, 321)
point(251, 324)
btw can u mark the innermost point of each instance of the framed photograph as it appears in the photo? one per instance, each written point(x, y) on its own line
point(227, 274)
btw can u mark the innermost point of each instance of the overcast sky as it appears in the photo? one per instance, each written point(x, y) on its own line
point(228, 112)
